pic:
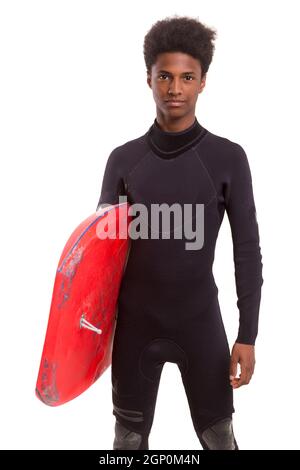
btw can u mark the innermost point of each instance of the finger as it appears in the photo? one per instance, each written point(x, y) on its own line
point(249, 373)
point(234, 382)
point(245, 376)
point(249, 369)
point(233, 368)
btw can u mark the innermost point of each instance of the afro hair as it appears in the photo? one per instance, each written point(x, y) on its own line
point(180, 34)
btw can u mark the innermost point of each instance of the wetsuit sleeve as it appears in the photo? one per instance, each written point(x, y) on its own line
point(240, 207)
point(112, 183)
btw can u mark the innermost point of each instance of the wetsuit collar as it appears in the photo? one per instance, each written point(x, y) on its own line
point(170, 144)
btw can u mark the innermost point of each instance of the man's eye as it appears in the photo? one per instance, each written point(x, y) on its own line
point(167, 76)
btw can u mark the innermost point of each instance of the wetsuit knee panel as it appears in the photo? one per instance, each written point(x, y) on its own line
point(126, 439)
point(220, 436)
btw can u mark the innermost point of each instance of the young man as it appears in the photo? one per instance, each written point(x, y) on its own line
point(168, 309)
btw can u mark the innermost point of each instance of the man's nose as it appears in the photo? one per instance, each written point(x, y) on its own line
point(175, 86)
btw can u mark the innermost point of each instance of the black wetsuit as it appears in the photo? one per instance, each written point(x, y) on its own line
point(168, 309)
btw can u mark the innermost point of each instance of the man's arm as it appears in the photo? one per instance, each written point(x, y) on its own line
point(112, 184)
point(240, 207)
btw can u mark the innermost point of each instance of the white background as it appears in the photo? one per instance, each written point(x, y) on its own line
point(73, 87)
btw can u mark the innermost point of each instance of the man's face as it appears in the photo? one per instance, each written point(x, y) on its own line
point(176, 76)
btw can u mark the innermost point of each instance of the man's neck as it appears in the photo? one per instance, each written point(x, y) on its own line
point(169, 124)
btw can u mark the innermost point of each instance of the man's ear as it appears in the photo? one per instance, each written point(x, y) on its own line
point(149, 79)
point(202, 83)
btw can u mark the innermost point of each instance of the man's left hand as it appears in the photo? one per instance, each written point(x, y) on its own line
point(243, 354)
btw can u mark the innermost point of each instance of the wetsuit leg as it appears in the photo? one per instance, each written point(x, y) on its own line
point(134, 391)
point(206, 379)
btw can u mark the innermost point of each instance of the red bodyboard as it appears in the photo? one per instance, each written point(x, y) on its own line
point(85, 292)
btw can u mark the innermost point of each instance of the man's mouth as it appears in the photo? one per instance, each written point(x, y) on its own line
point(174, 102)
